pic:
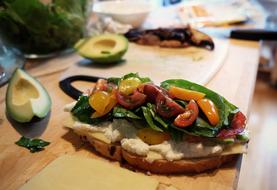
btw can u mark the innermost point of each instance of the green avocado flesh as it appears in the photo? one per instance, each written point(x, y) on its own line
point(26, 98)
point(105, 48)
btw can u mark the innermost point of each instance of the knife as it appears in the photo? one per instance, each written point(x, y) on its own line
point(70, 90)
point(244, 34)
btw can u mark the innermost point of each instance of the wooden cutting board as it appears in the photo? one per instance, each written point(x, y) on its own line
point(17, 165)
point(194, 64)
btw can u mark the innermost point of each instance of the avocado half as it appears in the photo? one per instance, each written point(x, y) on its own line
point(105, 48)
point(26, 97)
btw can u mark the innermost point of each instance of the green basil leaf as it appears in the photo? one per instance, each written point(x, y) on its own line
point(121, 112)
point(156, 117)
point(95, 121)
point(82, 110)
point(34, 145)
point(203, 124)
point(200, 131)
point(114, 80)
point(148, 117)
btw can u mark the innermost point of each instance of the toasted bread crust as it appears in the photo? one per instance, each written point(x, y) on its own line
point(116, 152)
point(111, 151)
point(177, 166)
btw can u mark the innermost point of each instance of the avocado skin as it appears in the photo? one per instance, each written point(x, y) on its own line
point(106, 60)
point(103, 58)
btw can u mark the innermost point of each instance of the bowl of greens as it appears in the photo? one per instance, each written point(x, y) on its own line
point(42, 29)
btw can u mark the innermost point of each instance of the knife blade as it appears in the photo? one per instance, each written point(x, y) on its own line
point(244, 34)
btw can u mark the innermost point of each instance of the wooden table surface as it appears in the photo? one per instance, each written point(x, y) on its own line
point(235, 81)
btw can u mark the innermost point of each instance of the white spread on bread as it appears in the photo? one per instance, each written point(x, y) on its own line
point(122, 128)
point(123, 131)
point(136, 146)
point(177, 150)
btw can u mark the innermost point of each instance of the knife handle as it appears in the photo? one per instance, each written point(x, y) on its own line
point(71, 91)
point(254, 34)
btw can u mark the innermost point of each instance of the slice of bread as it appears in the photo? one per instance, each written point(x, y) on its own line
point(161, 166)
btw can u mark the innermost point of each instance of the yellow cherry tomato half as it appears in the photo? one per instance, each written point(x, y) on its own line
point(109, 107)
point(127, 86)
point(185, 94)
point(151, 136)
point(99, 101)
point(209, 109)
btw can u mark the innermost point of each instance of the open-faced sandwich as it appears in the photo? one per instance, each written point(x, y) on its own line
point(176, 127)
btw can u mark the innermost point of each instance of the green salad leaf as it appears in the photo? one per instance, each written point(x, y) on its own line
point(148, 117)
point(82, 110)
point(156, 117)
point(120, 112)
point(34, 27)
point(203, 124)
point(34, 145)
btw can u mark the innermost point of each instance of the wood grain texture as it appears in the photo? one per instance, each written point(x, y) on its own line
point(259, 166)
point(195, 64)
point(18, 165)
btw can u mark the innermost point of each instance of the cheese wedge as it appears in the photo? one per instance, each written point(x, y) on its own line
point(78, 173)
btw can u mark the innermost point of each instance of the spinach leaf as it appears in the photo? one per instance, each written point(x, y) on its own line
point(148, 117)
point(121, 112)
point(200, 131)
point(114, 80)
point(225, 108)
point(82, 110)
point(197, 131)
point(156, 117)
point(203, 124)
point(199, 128)
point(34, 145)
point(107, 117)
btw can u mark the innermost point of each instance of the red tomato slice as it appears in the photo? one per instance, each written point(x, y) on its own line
point(189, 116)
point(237, 126)
point(151, 91)
point(166, 107)
point(132, 101)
